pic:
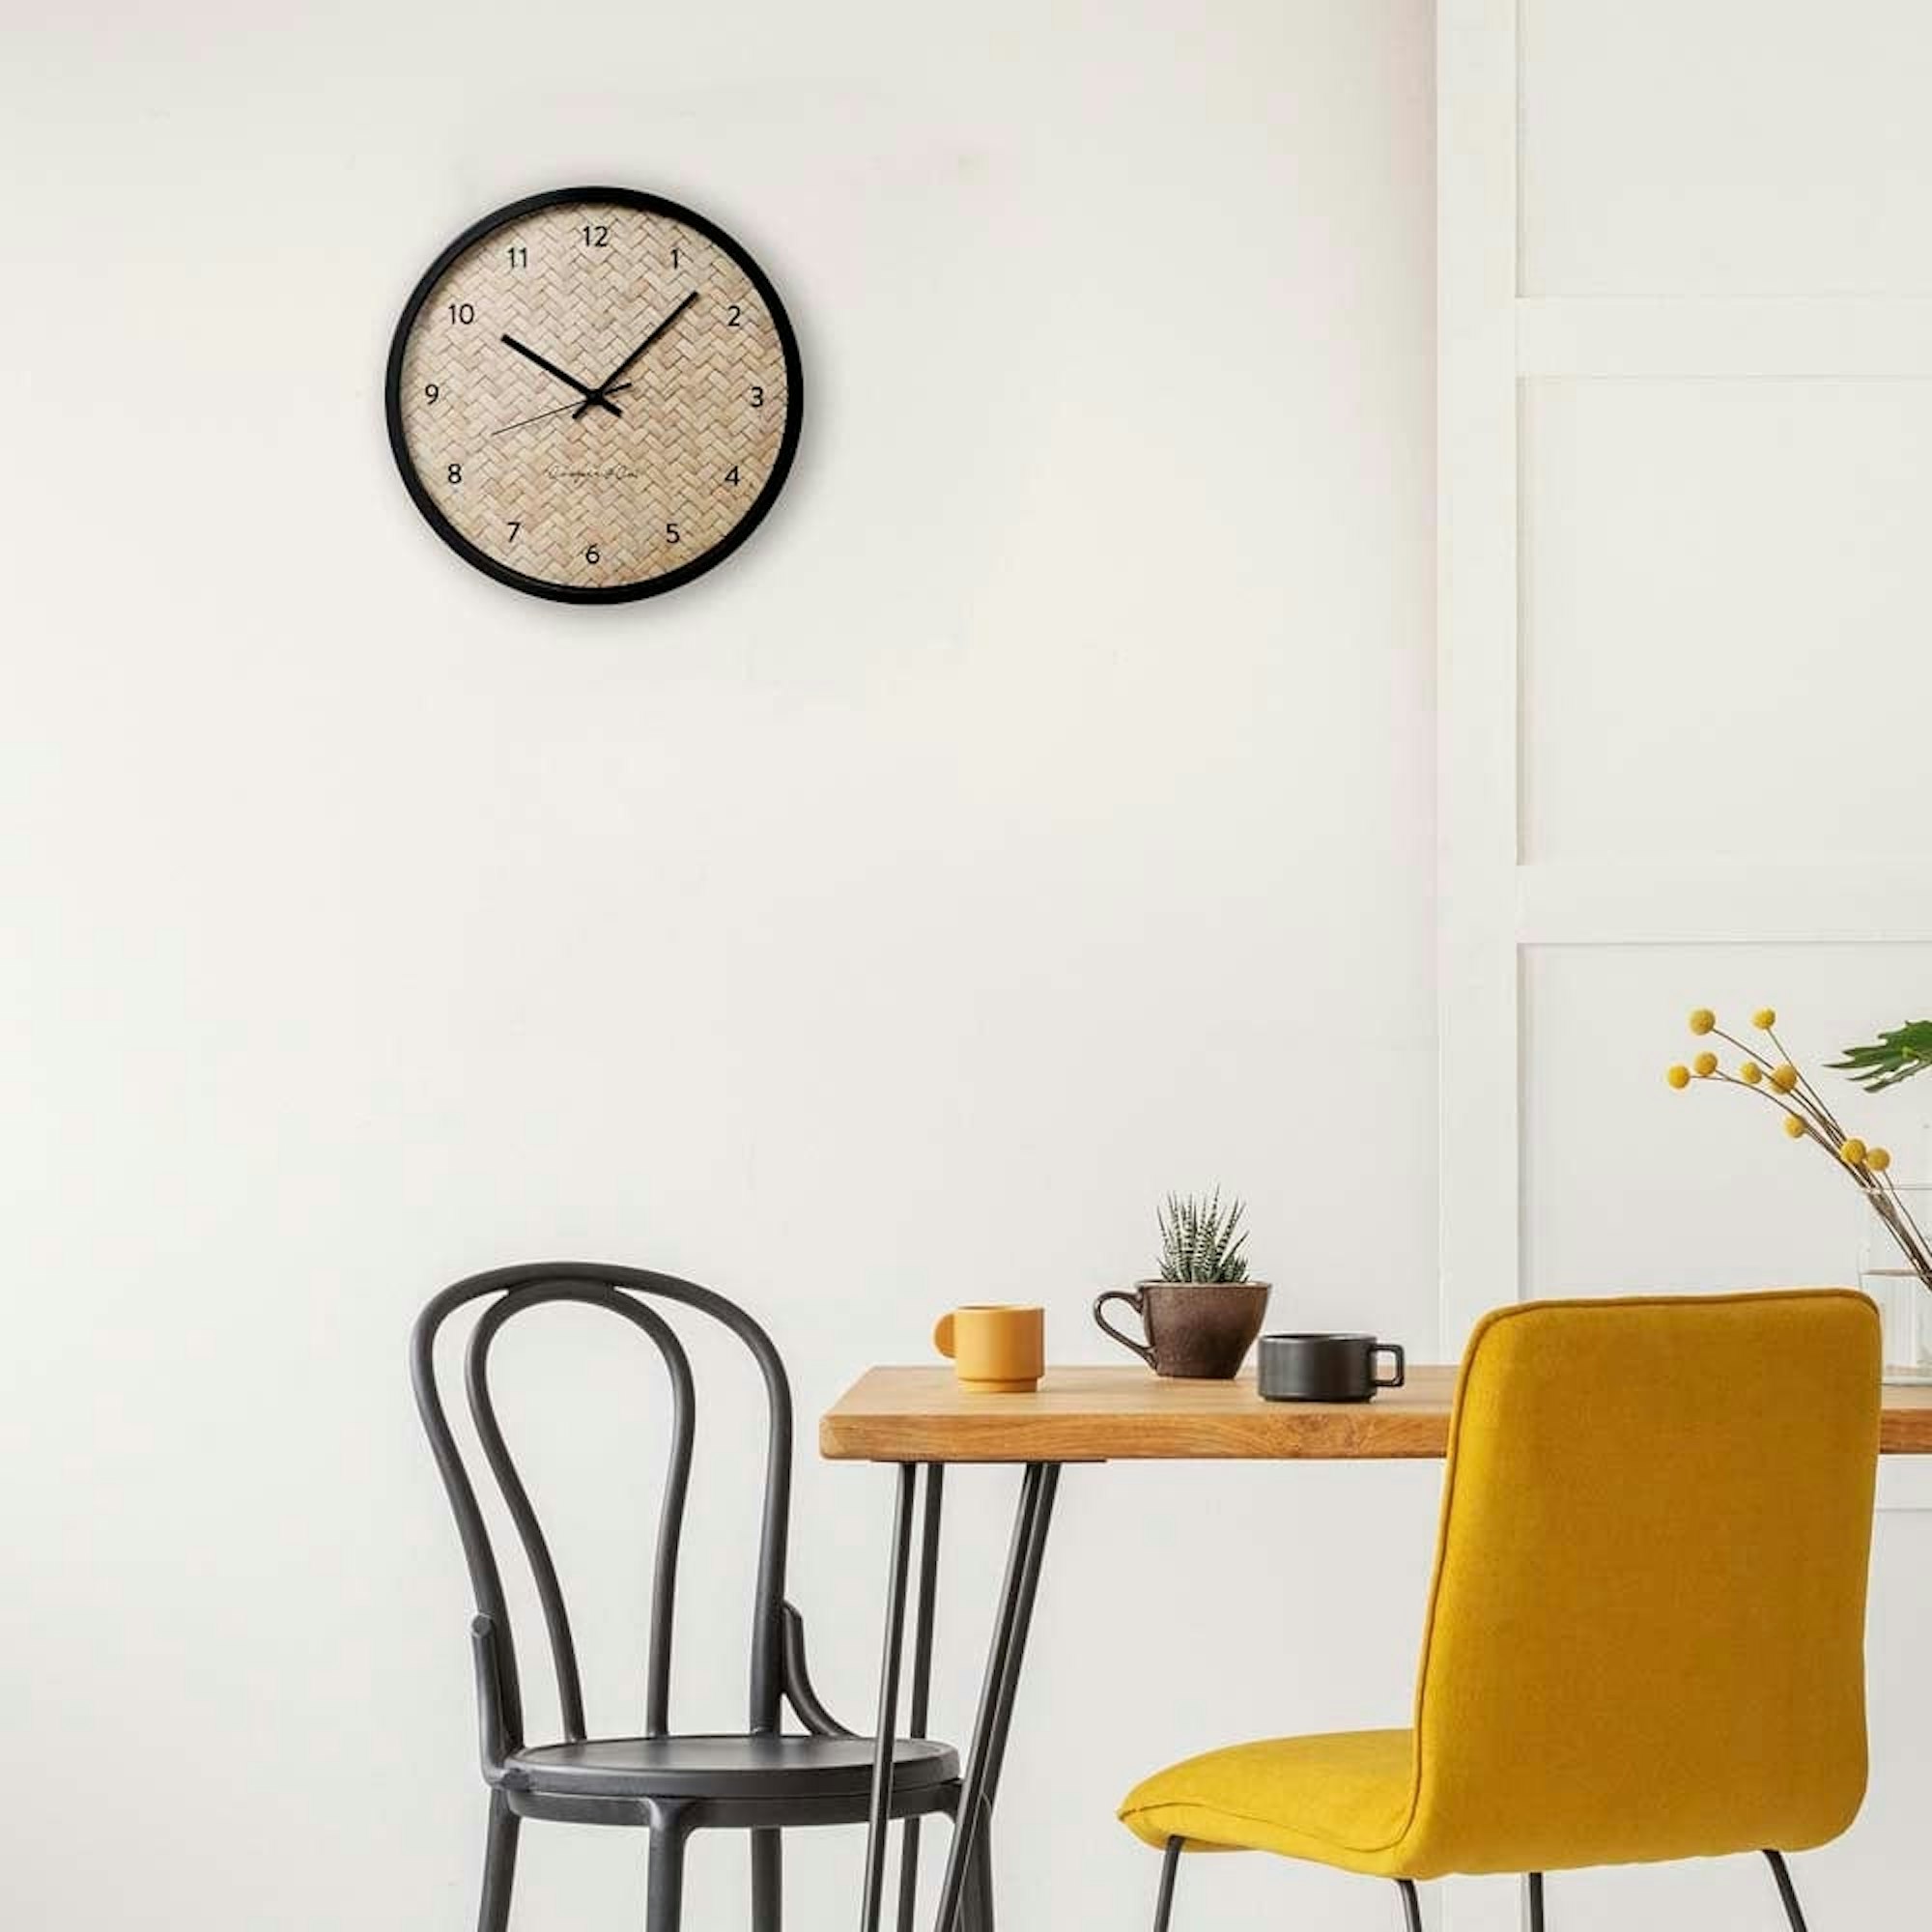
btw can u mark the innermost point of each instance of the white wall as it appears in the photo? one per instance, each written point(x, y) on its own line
point(1034, 816)
point(1685, 481)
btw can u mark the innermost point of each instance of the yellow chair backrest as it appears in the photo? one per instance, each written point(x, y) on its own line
point(1646, 1631)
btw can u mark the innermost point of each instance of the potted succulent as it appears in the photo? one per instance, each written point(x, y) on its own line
point(1201, 1314)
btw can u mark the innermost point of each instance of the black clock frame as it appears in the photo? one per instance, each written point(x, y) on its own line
point(481, 559)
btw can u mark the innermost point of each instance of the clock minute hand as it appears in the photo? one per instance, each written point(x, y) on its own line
point(597, 395)
point(564, 376)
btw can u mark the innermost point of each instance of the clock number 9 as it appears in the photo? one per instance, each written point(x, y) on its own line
point(431, 392)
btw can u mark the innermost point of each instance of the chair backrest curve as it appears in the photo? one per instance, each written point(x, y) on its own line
point(1646, 1629)
point(629, 1294)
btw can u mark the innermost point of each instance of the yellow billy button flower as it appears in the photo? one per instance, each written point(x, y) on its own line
point(1678, 1076)
point(1784, 1078)
point(1750, 1073)
point(1877, 1159)
point(1764, 1019)
point(1794, 1126)
point(1703, 1020)
point(1853, 1152)
point(1704, 1065)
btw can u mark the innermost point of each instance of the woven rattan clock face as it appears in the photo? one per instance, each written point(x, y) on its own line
point(594, 395)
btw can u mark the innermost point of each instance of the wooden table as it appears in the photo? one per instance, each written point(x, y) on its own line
point(1124, 1415)
point(919, 1418)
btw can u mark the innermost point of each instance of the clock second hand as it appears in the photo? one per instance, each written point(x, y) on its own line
point(547, 413)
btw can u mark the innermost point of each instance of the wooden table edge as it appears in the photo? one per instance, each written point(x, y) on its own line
point(1011, 1429)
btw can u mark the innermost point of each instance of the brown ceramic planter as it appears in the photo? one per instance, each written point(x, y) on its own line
point(1201, 1330)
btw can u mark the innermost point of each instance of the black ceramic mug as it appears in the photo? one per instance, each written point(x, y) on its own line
point(1325, 1368)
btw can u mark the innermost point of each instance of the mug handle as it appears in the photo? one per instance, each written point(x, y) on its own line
point(1133, 1297)
point(942, 1336)
point(1401, 1364)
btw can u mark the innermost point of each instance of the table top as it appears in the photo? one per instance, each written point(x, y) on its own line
point(1122, 1413)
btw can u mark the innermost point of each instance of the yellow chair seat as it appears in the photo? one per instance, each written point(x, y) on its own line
point(1343, 1799)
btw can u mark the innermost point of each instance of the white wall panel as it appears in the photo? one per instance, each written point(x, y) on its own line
point(1725, 146)
point(1726, 595)
point(1718, 409)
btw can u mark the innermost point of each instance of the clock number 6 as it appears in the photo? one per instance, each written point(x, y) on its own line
point(592, 555)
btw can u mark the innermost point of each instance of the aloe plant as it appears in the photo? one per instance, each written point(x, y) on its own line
point(1201, 1241)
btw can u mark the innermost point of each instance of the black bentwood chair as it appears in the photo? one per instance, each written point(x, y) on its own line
point(762, 1780)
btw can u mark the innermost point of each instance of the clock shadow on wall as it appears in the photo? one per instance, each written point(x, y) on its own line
point(594, 395)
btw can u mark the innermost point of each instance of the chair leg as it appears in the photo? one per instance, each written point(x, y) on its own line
point(767, 1882)
point(1411, 1906)
point(1163, 1908)
point(1536, 1902)
point(979, 1880)
point(1786, 1892)
point(663, 1909)
point(500, 1867)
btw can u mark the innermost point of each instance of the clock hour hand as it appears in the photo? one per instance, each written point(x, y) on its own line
point(584, 389)
point(597, 395)
point(616, 389)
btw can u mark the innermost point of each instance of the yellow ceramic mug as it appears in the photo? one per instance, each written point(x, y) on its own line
point(996, 1349)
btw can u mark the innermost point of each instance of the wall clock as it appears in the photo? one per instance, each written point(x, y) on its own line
point(594, 395)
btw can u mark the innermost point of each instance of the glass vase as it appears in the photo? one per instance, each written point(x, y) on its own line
point(1904, 1301)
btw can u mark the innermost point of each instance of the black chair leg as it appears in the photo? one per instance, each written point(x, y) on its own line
point(1411, 1906)
point(1536, 1902)
point(978, 1893)
point(767, 1882)
point(1163, 1908)
point(663, 1909)
point(500, 1867)
point(1786, 1892)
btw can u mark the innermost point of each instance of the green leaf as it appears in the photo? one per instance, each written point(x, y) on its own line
point(1895, 1056)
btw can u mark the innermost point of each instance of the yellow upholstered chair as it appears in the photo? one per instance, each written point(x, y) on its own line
point(1646, 1631)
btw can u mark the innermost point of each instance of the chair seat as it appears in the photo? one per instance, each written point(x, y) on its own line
point(728, 1766)
point(1342, 1799)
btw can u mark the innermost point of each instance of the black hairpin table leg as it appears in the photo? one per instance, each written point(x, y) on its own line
point(988, 1747)
point(922, 1675)
point(987, 1750)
